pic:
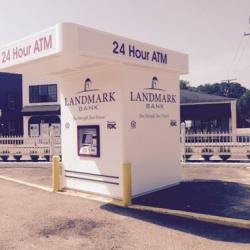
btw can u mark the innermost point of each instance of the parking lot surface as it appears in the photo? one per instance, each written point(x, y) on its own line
point(36, 173)
point(220, 191)
point(36, 219)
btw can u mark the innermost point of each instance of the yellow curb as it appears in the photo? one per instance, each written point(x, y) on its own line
point(26, 183)
point(67, 192)
point(226, 221)
point(239, 223)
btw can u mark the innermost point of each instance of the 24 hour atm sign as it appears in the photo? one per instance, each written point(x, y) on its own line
point(28, 48)
point(132, 51)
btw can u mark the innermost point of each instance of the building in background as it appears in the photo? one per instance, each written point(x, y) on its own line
point(208, 113)
point(41, 106)
point(11, 121)
point(28, 106)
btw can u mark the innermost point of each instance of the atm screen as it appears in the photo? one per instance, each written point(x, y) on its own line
point(89, 140)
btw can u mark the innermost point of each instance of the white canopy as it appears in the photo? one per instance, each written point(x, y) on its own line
point(67, 48)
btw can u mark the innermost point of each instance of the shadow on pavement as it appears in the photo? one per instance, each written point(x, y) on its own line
point(202, 229)
point(214, 197)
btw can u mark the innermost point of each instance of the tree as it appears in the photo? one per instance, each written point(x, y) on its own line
point(232, 89)
point(184, 84)
point(243, 108)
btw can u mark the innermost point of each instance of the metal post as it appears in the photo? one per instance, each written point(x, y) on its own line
point(183, 140)
point(127, 187)
point(56, 172)
point(51, 141)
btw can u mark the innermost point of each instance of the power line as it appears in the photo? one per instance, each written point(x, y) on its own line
point(245, 33)
point(235, 56)
point(243, 51)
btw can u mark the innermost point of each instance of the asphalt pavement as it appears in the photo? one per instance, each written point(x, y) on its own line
point(36, 219)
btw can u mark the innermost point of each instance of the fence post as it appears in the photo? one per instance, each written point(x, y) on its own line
point(51, 141)
point(183, 140)
point(127, 186)
point(56, 172)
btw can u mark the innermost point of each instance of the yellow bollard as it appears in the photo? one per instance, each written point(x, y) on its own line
point(127, 188)
point(56, 173)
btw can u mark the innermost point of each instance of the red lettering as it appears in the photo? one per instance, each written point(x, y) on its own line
point(5, 56)
point(21, 52)
point(43, 43)
point(48, 43)
point(36, 47)
point(15, 53)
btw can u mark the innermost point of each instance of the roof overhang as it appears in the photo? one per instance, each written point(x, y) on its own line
point(67, 47)
point(207, 103)
point(41, 110)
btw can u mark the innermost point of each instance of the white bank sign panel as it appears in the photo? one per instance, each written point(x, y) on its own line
point(27, 49)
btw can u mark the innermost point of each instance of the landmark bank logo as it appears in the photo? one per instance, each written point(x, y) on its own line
point(89, 98)
point(87, 87)
point(154, 84)
point(154, 97)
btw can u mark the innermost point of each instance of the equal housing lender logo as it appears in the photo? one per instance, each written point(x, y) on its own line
point(154, 97)
point(89, 98)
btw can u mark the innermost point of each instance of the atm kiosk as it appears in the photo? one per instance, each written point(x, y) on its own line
point(120, 103)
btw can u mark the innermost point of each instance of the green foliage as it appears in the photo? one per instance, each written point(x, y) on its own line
point(207, 151)
point(188, 150)
point(5, 152)
point(231, 90)
point(33, 152)
point(243, 106)
point(224, 150)
point(184, 84)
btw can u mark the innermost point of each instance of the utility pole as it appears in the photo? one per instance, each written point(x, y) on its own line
point(228, 80)
point(245, 33)
point(227, 89)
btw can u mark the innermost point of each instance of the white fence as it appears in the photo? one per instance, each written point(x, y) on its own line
point(27, 148)
point(215, 146)
point(195, 146)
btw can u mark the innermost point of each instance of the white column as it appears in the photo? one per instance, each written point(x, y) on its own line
point(183, 140)
point(26, 126)
point(233, 119)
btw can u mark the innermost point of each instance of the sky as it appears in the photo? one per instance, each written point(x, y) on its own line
point(210, 32)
